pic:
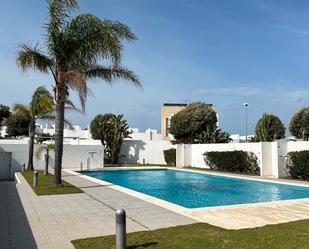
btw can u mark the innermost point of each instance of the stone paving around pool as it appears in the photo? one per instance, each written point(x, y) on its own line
point(31, 221)
point(231, 216)
point(46, 222)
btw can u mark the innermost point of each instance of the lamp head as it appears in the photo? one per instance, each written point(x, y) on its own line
point(245, 104)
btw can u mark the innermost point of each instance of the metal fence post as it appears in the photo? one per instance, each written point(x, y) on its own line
point(121, 240)
point(35, 178)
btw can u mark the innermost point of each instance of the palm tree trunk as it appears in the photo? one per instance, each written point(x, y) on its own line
point(31, 145)
point(59, 125)
point(46, 162)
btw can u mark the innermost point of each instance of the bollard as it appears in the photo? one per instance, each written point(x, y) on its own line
point(81, 166)
point(144, 161)
point(46, 159)
point(35, 178)
point(88, 163)
point(23, 167)
point(121, 241)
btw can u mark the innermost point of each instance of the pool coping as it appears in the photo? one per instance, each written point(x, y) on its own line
point(200, 214)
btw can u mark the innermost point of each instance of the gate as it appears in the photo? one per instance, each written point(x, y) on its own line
point(5, 165)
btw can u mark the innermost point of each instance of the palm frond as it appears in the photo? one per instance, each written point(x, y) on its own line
point(69, 123)
point(89, 38)
point(44, 147)
point(50, 146)
point(69, 106)
point(119, 29)
point(58, 12)
point(52, 117)
point(41, 104)
point(39, 151)
point(109, 74)
point(76, 81)
point(30, 57)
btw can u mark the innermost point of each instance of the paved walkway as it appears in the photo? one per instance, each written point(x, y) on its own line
point(31, 221)
point(58, 219)
point(15, 231)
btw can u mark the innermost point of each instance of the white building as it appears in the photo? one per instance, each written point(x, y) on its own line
point(236, 138)
point(148, 135)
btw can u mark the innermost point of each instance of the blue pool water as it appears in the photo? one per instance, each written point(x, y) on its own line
point(195, 190)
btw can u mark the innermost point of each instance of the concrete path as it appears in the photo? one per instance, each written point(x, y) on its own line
point(15, 231)
point(53, 221)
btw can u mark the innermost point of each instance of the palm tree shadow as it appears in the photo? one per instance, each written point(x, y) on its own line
point(145, 245)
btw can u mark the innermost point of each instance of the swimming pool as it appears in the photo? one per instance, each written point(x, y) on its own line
point(196, 190)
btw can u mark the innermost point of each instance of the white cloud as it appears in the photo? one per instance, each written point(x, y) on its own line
point(236, 90)
point(260, 90)
point(287, 28)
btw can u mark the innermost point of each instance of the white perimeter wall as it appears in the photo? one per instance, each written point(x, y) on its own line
point(193, 153)
point(134, 151)
point(286, 147)
point(73, 155)
point(271, 155)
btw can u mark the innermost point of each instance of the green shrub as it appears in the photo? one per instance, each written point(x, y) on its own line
point(297, 164)
point(233, 161)
point(170, 156)
point(269, 128)
point(299, 124)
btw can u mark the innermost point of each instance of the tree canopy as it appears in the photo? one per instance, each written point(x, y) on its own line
point(4, 113)
point(299, 124)
point(189, 123)
point(17, 125)
point(269, 128)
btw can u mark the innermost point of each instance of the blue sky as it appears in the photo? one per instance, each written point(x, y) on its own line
point(221, 52)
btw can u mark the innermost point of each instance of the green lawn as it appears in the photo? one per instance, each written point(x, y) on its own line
point(46, 187)
point(293, 235)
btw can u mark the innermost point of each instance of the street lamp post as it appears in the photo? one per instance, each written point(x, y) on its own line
point(246, 107)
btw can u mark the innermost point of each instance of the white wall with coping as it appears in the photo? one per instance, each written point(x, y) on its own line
point(134, 151)
point(193, 153)
point(266, 168)
point(271, 155)
point(284, 148)
point(180, 155)
point(73, 155)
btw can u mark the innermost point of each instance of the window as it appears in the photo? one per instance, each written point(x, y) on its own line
point(167, 125)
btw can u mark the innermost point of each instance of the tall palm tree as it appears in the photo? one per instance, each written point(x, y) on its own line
point(40, 107)
point(75, 47)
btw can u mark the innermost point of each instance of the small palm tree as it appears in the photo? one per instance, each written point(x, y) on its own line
point(40, 107)
point(75, 48)
point(45, 148)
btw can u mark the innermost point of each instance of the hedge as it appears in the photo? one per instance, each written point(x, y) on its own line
point(297, 164)
point(232, 161)
point(170, 156)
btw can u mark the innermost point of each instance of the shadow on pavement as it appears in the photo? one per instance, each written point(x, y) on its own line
point(15, 231)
